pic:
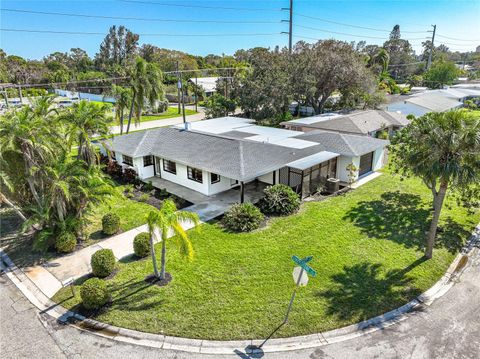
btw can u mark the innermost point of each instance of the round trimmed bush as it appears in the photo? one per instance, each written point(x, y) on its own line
point(94, 293)
point(110, 223)
point(242, 217)
point(141, 244)
point(65, 242)
point(103, 263)
point(279, 200)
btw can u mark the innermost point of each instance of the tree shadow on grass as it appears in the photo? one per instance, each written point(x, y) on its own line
point(397, 216)
point(405, 219)
point(364, 290)
point(133, 296)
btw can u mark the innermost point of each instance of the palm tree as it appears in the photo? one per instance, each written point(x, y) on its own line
point(86, 119)
point(123, 98)
point(147, 87)
point(167, 219)
point(6, 182)
point(383, 58)
point(443, 149)
point(31, 132)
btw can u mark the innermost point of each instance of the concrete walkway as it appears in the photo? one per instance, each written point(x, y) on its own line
point(57, 273)
point(161, 123)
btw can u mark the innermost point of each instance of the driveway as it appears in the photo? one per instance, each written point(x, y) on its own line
point(449, 328)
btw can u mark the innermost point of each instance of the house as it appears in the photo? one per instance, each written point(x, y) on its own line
point(365, 123)
point(434, 101)
point(208, 84)
point(218, 155)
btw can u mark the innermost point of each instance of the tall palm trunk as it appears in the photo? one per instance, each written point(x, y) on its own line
point(121, 121)
point(164, 256)
point(438, 199)
point(5, 200)
point(130, 115)
point(29, 177)
point(154, 257)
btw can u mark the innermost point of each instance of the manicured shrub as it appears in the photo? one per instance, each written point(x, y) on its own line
point(279, 200)
point(141, 244)
point(110, 223)
point(65, 242)
point(103, 263)
point(94, 293)
point(242, 217)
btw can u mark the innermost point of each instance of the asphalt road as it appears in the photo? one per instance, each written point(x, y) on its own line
point(449, 328)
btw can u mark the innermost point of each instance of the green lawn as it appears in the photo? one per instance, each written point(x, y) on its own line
point(367, 248)
point(170, 113)
point(132, 214)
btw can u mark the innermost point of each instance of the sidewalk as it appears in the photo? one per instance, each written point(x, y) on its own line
point(55, 274)
point(161, 123)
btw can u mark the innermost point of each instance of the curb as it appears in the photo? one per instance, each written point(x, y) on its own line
point(64, 316)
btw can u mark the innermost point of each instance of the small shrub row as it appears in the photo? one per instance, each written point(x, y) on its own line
point(103, 263)
point(110, 223)
point(242, 217)
point(279, 199)
point(141, 245)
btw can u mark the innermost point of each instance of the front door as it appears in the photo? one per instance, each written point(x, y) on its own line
point(158, 163)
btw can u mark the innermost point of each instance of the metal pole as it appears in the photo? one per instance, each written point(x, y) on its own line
point(293, 296)
point(242, 192)
point(183, 100)
point(290, 28)
point(432, 47)
point(196, 94)
point(178, 89)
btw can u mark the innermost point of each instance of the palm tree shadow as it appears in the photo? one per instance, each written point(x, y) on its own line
point(396, 216)
point(364, 290)
point(405, 219)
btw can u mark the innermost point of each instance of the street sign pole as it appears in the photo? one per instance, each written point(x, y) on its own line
point(293, 297)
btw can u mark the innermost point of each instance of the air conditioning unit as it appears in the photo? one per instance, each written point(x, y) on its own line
point(332, 185)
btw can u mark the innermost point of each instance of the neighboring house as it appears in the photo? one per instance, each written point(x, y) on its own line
point(208, 84)
point(217, 155)
point(367, 123)
point(434, 101)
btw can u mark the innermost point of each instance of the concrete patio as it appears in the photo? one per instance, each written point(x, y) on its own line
point(209, 207)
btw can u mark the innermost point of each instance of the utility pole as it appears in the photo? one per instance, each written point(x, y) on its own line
point(20, 93)
point(290, 25)
point(178, 88)
point(429, 63)
point(196, 93)
point(290, 28)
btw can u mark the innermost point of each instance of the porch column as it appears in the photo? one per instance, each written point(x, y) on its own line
point(242, 192)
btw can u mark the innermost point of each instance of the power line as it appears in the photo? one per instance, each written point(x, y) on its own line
point(144, 34)
point(354, 26)
point(348, 34)
point(455, 38)
point(198, 6)
point(139, 18)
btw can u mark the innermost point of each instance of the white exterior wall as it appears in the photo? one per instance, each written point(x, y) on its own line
point(143, 172)
point(378, 159)
point(224, 184)
point(181, 178)
point(266, 178)
point(342, 163)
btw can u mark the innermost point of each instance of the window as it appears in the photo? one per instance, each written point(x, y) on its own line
point(195, 174)
point(170, 166)
point(147, 161)
point(128, 160)
point(215, 178)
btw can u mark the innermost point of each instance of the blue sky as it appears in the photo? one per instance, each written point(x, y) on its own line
point(454, 19)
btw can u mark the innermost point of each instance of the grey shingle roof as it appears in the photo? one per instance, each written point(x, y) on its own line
point(230, 157)
point(361, 122)
point(233, 157)
point(344, 144)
